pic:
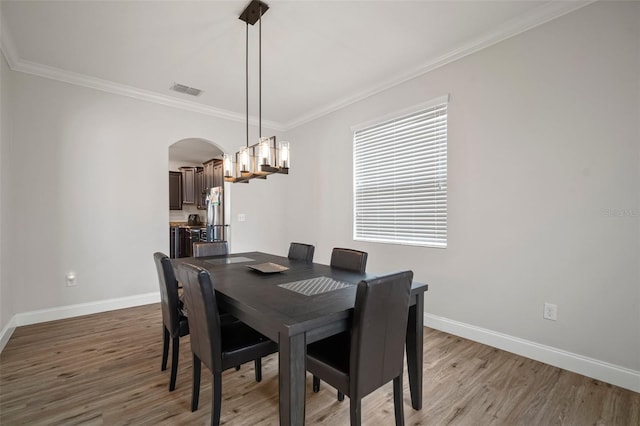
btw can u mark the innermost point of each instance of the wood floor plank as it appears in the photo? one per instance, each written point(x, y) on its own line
point(104, 369)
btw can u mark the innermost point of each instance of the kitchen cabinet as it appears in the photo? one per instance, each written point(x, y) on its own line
point(208, 174)
point(175, 242)
point(218, 178)
point(188, 185)
point(175, 191)
point(201, 196)
point(213, 173)
point(188, 237)
point(190, 191)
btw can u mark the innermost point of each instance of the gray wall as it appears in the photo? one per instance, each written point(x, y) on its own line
point(92, 193)
point(543, 157)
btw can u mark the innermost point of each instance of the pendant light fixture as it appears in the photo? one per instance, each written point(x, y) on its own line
point(265, 157)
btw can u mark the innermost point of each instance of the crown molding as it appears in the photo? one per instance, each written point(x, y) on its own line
point(17, 64)
point(540, 15)
point(133, 92)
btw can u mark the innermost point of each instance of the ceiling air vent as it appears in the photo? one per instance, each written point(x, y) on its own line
point(186, 89)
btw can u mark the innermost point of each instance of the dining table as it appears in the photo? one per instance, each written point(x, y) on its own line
point(295, 303)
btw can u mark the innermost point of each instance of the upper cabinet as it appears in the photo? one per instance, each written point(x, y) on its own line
point(190, 184)
point(208, 174)
point(213, 174)
point(201, 193)
point(189, 193)
point(175, 191)
point(218, 174)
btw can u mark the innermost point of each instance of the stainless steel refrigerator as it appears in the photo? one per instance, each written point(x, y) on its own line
point(215, 214)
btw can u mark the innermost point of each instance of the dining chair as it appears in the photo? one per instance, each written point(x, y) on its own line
point(218, 345)
point(214, 248)
point(174, 323)
point(300, 251)
point(351, 260)
point(371, 353)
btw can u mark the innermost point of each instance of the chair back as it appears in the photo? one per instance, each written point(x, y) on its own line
point(351, 260)
point(378, 331)
point(204, 319)
point(168, 293)
point(300, 251)
point(215, 248)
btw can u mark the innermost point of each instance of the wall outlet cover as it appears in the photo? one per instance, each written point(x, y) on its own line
point(550, 311)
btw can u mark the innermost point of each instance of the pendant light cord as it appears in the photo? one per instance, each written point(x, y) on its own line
point(260, 74)
point(246, 77)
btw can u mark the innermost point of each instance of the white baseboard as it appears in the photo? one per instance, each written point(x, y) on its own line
point(6, 333)
point(62, 312)
point(600, 370)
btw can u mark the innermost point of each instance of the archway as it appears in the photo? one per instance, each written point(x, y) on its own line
point(191, 175)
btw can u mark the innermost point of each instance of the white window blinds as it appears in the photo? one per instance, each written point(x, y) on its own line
point(400, 179)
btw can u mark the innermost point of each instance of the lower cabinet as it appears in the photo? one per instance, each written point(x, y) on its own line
point(175, 242)
point(188, 236)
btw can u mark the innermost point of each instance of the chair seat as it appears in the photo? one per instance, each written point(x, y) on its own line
point(329, 358)
point(238, 342)
point(183, 323)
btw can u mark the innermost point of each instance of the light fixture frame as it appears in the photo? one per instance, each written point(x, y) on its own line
point(259, 166)
point(257, 170)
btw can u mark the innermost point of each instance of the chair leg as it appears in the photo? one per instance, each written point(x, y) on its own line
point(397, 400)
point(258, 367)
point(174, 362)
point(216, 399)
point(165, 347)
point(316, 384)
point(354, 410)
point(340, 396)
point(195, 387)
point(237, 368)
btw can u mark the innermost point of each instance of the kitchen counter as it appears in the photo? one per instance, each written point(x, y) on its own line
point(186, 225)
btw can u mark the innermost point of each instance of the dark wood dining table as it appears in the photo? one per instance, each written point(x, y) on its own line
point(293, 319)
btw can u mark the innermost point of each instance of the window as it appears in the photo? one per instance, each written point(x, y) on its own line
point(400, 178)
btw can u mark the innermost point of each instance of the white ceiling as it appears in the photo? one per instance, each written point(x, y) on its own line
point(317, 55)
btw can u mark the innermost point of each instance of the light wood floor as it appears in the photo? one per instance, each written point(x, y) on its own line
point(105, 369)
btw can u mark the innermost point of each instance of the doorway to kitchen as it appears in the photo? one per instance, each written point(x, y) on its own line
point(198, 201)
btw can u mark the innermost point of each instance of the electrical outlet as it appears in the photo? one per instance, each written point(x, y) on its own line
point(242, 217)
point(71, 279)
point(550, 311)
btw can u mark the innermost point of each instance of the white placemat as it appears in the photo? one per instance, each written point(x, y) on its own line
point(314, 286)
point(227, 260)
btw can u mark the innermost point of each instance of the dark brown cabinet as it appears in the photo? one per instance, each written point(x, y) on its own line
point(188, 237)
point(213, 174)
point(208, 174)
point(188, 184)
point(175, 191)
point(218, 179)
point(201, 195)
